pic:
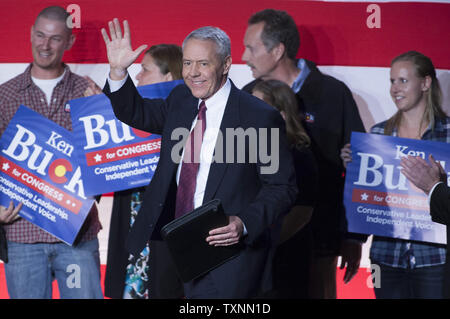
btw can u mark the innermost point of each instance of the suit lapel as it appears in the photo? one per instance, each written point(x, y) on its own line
point(183, 119)
point(218, 168)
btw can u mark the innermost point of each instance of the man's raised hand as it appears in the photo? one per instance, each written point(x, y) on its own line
point(118, 47)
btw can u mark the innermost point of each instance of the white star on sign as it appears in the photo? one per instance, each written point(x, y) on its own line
point(364, 196)
point(5, 166)
point(98, 157)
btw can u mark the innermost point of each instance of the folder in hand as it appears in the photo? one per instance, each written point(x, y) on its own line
point(186, 241)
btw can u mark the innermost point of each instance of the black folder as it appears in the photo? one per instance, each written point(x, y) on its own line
point(186, 241)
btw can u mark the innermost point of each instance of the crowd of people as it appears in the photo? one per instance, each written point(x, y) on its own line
point(291, 236)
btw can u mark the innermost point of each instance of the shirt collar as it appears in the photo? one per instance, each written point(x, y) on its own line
point(27, 81)
point(304, 72)
point(438, 127)
point(220, 98)
point(439, 124)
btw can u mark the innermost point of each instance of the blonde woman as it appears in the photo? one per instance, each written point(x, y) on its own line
point(411, 269)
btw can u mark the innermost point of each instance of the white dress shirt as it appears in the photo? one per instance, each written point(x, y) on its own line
point(215, 107)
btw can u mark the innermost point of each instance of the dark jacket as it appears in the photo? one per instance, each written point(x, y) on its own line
point(440, 213)
point(330, 115)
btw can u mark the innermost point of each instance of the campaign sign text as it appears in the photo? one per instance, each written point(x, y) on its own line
point(112, 155)
point(39, 169)
point(379, 199)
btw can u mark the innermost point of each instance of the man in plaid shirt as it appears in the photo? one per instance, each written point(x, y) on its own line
point(34, 256)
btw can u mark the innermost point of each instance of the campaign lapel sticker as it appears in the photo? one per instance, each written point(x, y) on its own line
point(39, 169)
point(379, 199)
point(112, 155)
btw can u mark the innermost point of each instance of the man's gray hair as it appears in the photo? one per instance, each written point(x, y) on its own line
point(218, 36)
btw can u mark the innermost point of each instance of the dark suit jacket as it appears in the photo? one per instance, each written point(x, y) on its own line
point(331, 115)
point(440, 205)
point(440, 213)
point(259, 200)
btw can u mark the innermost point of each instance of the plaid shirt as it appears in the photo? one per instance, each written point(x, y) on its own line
point(22, 90)
point(400, 253)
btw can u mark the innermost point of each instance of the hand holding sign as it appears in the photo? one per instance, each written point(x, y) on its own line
point(10, 214)
point(120, 53)
point(346, 154)
point(92, 88)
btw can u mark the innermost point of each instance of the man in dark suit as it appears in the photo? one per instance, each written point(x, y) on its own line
point(254, 192)
point(271, 44)
point(432, 179)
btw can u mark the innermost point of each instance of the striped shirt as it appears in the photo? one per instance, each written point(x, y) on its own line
point(22, 90)
point(400, 253)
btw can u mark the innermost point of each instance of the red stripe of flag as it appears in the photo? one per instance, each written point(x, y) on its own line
point(332, 33)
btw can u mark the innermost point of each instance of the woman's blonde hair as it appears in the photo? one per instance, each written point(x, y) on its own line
point(424, 67)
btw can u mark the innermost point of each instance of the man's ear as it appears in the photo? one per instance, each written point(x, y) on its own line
point(227, 64)
point(72, 39)
point(278, 51)
point(168, 76)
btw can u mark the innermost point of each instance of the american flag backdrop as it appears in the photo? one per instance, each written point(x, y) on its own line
point(353, 41)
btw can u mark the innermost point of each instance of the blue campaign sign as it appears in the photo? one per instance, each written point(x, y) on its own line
point(379, 199)
point(112, 155)
point(39, 169)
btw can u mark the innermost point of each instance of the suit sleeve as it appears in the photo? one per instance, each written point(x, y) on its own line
point(278, 183)
point(131, 108)
point(440, 204)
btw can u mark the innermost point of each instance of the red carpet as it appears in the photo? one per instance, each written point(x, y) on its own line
point(356, 289)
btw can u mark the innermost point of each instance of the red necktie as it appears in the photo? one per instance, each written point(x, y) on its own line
point(191, 162)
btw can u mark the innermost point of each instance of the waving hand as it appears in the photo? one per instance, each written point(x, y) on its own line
point(118, 47)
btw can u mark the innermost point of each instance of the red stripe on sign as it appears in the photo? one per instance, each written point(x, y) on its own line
point(123, 152)
point(390, 199)
point(42, 187)
point(333, 33)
